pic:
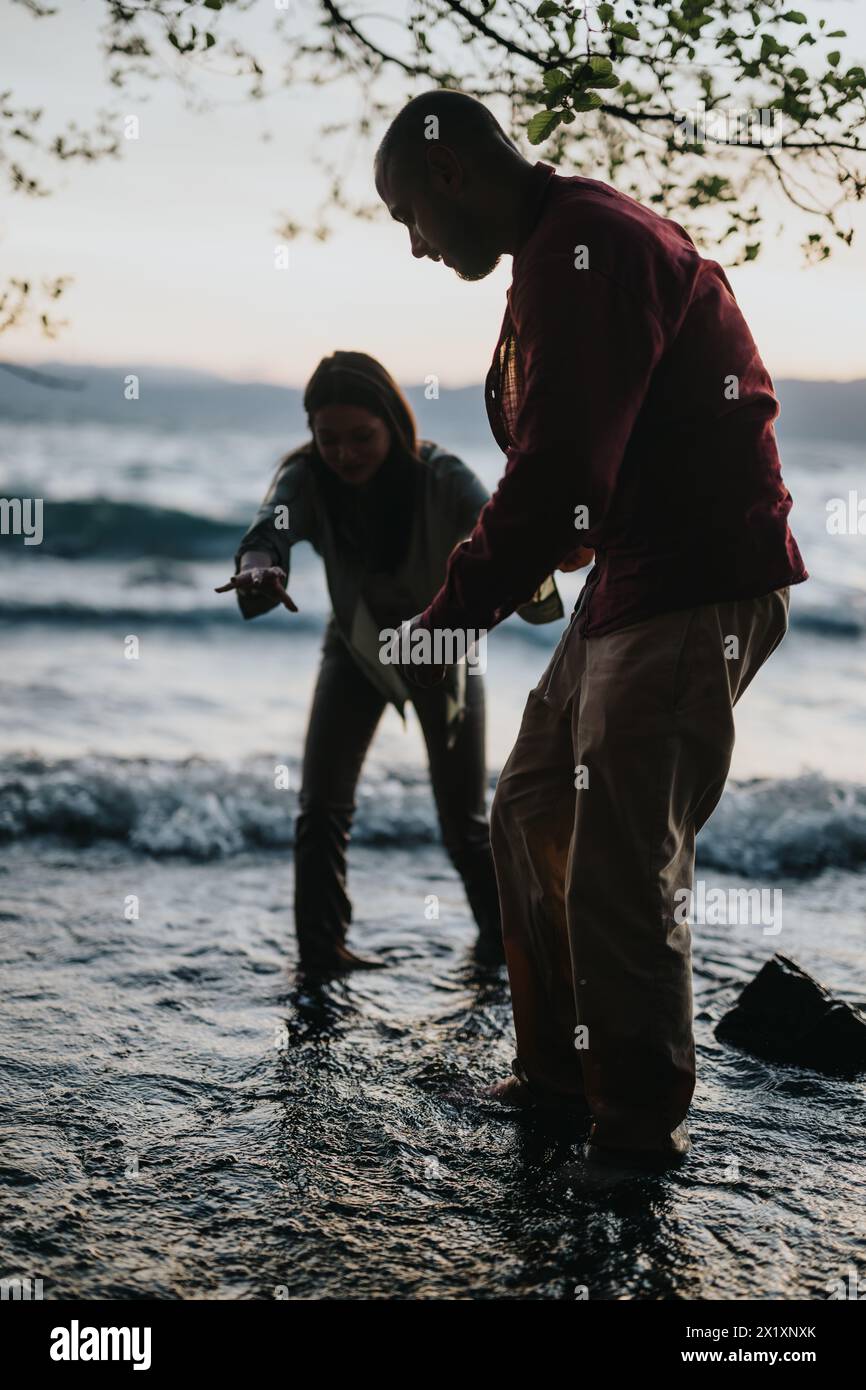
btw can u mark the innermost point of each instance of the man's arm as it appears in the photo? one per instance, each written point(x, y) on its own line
point(587, 349)
point(466, 496)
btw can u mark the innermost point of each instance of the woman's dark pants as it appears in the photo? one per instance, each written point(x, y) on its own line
point(345, 713)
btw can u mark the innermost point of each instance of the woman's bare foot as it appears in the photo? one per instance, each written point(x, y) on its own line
point(512, 1092)
point(337, 960)
point(517, 1094)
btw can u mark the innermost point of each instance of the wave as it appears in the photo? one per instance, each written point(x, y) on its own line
point(793, 827)
point(195, 807)
point(203, 809)
point(831, 623)
point(841, 620)
point(161, 612)
point(102, 529)
point(99, 528)
point(132, 618)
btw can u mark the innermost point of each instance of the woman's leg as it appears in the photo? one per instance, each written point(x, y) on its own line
point(345, 712)
point(459, 778)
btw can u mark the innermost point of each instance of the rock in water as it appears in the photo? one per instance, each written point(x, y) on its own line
point(786, 1016)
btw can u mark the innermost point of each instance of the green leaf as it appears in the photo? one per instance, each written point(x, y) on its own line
point(542, 125)
point(587, 101)
point(605, 14)
point(213, 5)
point(598, 72)
point(555, 79)
point(626, 31)
point(833, 58)
point(794, 17)
point(771, 45)
point(546, 9)
point(209, 40)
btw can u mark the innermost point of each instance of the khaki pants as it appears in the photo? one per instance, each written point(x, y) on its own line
point(622, 754)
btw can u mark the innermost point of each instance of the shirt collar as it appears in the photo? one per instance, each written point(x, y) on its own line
point(541, 177)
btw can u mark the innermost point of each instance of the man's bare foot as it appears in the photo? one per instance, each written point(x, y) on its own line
point(668, 1151)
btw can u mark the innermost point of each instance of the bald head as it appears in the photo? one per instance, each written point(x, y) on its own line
point(459, 121)
point(448, 171)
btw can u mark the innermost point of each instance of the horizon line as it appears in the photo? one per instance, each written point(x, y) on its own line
point(44, 364)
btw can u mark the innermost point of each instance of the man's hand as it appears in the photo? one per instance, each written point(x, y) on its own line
point(263, 583)
point(577, 560)
point(421, 675)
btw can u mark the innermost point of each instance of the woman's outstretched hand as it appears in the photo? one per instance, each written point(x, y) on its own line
point(264, 582)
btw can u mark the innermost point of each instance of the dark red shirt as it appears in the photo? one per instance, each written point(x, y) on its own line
point(625, 382)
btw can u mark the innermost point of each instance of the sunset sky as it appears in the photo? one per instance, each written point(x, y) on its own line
point(172, 247)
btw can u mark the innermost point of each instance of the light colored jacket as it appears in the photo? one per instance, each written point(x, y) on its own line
point(451, 499)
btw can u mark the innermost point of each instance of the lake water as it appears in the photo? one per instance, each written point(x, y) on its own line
point(181, 1119)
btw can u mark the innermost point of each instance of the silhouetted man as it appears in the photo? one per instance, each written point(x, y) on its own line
point(637, 420)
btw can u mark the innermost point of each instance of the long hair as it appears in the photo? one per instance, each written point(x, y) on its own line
point(354, 378)
point(388, 503)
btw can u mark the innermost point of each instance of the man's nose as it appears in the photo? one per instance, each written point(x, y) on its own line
point(419, 245)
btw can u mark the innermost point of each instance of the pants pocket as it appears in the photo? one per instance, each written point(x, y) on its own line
point(547, 688)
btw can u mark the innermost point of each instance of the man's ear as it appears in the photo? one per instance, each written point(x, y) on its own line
point(444, 168)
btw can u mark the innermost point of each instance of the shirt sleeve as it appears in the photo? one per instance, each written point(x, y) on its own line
point(587, 350)
point(282, 520)
point(466, 497)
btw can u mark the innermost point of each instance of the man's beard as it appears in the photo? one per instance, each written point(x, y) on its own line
point(476, 254)
point(479, 272)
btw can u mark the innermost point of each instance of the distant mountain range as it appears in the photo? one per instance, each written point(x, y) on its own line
point(176, 399)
